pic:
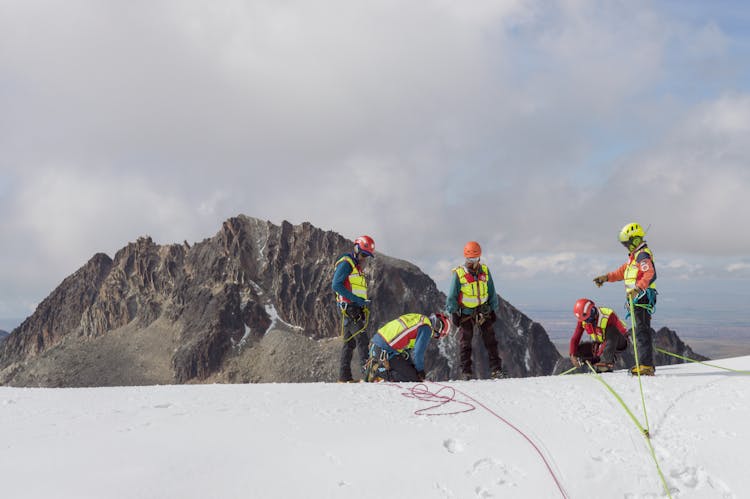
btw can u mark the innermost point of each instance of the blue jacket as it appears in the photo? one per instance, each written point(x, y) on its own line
point(451, 302)
point(424, 334)
point(342, 271)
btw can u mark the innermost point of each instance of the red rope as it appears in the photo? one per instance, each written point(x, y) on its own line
point(422, 393)
point(520, 432)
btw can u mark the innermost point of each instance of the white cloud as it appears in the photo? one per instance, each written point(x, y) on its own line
point(537, 128)
point(739, 267)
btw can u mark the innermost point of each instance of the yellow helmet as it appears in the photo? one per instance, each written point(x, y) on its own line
point(631, 236)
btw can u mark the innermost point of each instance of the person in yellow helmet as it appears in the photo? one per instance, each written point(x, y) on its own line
point(639, 274)
point(472, 303)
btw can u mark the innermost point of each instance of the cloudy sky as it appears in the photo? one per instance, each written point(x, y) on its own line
point(538, 128)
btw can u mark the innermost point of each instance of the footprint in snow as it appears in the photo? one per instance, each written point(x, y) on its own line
point(453, 446)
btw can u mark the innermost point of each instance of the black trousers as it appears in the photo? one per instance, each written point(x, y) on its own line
point(644, 336)
point(614, 342)
point(402, 370)
point(353, 321)
point(466, 335)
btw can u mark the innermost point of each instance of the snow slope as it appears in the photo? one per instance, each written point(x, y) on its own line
point(563, 436)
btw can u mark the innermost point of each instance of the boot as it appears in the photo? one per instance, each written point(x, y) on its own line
point(466, 377)
point(644, 370)
point(604, 367)
point(497, 374)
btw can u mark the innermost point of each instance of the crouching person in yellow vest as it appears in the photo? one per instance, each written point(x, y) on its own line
point(397, 349)
point(608, 336)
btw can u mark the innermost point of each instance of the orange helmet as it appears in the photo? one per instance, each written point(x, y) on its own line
point(440, 325)
point(365, 245)
point(472, 250)
point(585, 310)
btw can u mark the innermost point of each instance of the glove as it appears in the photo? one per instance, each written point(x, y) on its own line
point(599, 280)
point(420, 375)
point(632, 293)
point(575, 361)
point(360, 302)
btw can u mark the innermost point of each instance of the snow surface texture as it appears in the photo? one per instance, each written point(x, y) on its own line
point(545, 437)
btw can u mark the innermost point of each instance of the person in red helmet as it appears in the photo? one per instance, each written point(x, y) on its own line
point(472, 303)
point(608, 336)
point(397, 349)
point(350, 285)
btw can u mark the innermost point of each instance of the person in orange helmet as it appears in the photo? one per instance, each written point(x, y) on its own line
point(608, 336)
point(350, 285)
point(472, 303)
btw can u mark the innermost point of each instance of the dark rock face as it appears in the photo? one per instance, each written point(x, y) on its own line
point(190, 312)
point(667, 340)
point(3, 335)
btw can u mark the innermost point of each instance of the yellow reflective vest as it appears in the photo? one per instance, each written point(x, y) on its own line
point(474, 291)
point(598, 331)
point(401, 333)
point(355, 282)
point(633, 269)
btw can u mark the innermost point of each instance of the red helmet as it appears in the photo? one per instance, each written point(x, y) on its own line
point(441, 326)
point(365, 245)
point(584, 309)
point(472, 250)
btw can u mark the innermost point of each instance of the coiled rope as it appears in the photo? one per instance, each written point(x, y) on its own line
point(422, 392)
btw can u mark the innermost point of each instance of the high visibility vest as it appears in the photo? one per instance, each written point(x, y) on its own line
point(401, 333)
point(355, 282)
point(631, 271)
point(474, 290)
point(598, 330)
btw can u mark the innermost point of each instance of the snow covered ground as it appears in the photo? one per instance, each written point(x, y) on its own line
point(563, 436)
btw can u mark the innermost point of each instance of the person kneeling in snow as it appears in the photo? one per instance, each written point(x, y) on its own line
point(397, 349)
point(608, 335)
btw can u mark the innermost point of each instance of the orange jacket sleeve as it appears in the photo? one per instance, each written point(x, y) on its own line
point(617, 275)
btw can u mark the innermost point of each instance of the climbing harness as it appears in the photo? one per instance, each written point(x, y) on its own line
point(365, 311)
point(377, 367)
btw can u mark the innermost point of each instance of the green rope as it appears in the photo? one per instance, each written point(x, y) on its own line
point(599, 378)
point(367, 321)
point(568, 371)
point(699, 362)
point(643, 430)
point(637, 363)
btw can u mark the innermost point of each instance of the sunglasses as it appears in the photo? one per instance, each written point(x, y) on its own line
point(472, 260)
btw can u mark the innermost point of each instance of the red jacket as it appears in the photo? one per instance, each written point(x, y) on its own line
point(614, 325)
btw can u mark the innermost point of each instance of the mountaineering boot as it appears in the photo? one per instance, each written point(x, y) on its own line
point(497, 374)
point(644, 370)
point(466, 377)
point(604, 367)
